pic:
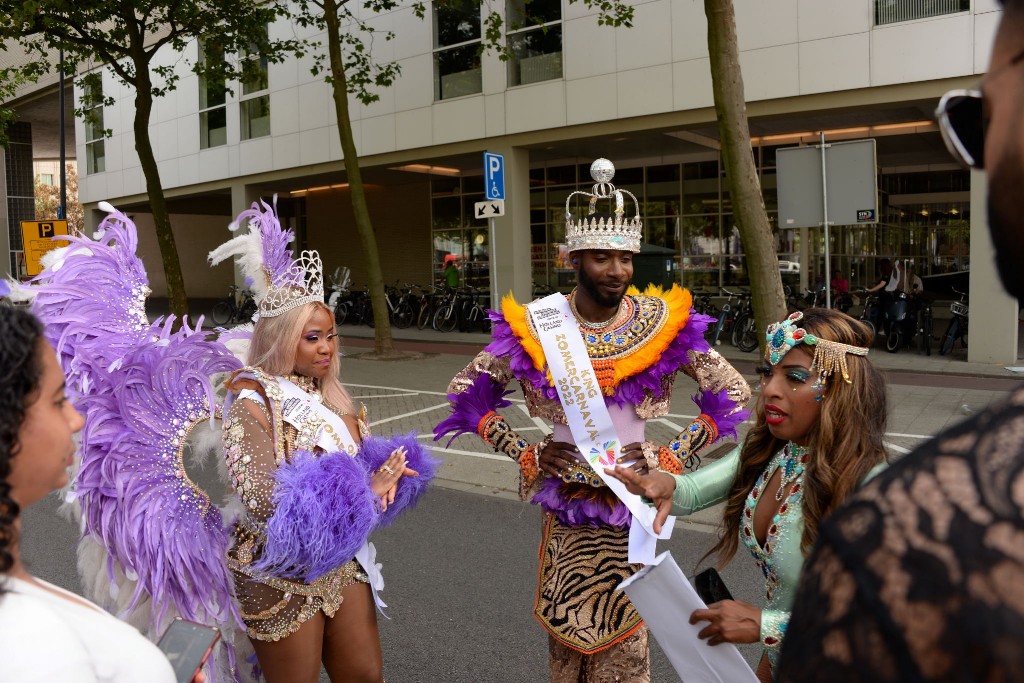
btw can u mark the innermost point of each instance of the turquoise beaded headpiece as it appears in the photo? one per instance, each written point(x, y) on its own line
point(829, 356)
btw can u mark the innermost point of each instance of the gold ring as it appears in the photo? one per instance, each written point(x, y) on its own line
point(385, 468)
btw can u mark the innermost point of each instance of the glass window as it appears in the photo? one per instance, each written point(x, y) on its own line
point(95, 133)
point(457, 49)
point(213, 114)
point(254, 104)
point(893, 11)
point(534, 41)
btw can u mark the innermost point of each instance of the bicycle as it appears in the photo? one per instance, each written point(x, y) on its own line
point(726, 320)
point(401, 305)
point(428, 302)
point(338, 300)
point(446, 316)
point(744, 329)
point(869, 312)
point(472, 313)
point(924, 327)
point(957, 328)
point(238, 307)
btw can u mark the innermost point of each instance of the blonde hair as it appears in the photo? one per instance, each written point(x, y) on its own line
point(275, 341)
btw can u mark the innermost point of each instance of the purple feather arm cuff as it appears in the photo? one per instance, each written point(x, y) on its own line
point(578, 512)
point(324, 512)
point(468, 408)
point(375, 452)
point(720, 408)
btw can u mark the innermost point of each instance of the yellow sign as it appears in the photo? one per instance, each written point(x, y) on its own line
point(36, 240)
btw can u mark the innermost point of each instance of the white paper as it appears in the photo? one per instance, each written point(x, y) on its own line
point(587, 415)
point(665, 599)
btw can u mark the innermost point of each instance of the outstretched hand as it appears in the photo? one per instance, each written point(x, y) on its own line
point(657, 486)
point(384, 481)
point(732, 621)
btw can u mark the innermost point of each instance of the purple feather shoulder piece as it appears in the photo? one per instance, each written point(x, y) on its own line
point(691, 338)
point(324, 510)
point(375, 451)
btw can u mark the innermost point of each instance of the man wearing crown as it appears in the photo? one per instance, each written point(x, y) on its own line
point(631, 348)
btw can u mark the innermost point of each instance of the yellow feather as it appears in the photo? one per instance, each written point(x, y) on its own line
point(515, 316)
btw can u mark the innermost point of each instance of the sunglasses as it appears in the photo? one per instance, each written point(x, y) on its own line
point(962, 122)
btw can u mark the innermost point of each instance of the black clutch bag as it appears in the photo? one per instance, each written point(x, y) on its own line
point(710, 587)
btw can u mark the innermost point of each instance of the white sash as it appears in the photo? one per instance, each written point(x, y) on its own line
point(303, 411)
point(587, 415)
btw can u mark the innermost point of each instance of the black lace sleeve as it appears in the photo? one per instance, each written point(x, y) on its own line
point(920, 576)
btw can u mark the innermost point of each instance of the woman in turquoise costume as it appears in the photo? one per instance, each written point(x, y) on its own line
point(821, 417)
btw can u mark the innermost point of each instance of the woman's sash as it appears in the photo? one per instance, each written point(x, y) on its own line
point(587, 415)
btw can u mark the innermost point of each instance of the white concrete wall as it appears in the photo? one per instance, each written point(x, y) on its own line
point(788, 48)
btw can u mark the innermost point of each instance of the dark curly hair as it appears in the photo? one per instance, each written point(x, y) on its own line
point(20, 371)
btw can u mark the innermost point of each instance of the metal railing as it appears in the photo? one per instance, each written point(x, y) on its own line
point(893, 11)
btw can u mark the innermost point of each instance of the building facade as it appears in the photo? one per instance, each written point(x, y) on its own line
point(571, 92)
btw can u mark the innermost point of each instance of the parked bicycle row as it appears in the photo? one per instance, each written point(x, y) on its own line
point(906, 321)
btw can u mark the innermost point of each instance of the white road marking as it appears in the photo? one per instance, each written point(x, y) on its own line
point(407, 393)
point(475, 454)
point(377, 386)
point(894, 447)
point(541, 424)
point(415, 412)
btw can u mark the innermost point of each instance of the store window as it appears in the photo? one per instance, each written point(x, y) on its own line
point(534, 41)
point(254, 103)
point(457, 49)
point(458, 236)
point(213, 114)
point(95, 133)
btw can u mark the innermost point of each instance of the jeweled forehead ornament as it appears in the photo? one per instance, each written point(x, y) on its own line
point(611, 231)
point(829, 356)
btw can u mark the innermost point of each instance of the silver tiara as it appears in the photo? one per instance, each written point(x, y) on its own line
point(613, 231)
point(301, 283)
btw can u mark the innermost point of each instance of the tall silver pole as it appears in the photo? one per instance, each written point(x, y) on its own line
point(824, 204)
point(63, 163)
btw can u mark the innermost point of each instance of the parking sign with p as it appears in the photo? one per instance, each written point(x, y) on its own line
point(494, 176)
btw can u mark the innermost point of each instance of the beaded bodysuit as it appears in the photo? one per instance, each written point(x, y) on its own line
point(779, 557)
point(636, 357)
point(272, 607)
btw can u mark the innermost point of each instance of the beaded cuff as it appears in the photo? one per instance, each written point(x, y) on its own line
point(497, 433)
point(667, 461)
point(773, 627)
point(691, 440)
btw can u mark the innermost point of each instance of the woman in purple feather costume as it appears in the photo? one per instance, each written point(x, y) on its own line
point(313, 485)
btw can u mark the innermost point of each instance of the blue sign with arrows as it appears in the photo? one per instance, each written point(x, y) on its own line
point(494, 176)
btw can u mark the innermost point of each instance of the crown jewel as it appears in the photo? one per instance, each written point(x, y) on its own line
point(301, 283)
point(611, 231)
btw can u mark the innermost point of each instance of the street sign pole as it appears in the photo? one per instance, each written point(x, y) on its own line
point(494, 190)
point(824, 203)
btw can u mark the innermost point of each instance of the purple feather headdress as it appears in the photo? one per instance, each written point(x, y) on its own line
point(264, 257)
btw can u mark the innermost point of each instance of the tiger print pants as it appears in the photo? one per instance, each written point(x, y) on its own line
point(627, 661)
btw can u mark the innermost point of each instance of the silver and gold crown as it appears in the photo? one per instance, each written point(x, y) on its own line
point(611, 231)
point(301, 283)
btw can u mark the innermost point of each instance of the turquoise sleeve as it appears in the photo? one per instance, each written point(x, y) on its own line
point(705, 487)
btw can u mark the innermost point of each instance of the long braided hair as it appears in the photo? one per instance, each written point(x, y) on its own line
point(20, 372)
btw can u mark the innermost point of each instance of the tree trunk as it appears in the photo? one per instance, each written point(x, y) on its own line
point(741, 173)
point(383, 343)
point(161, 220)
